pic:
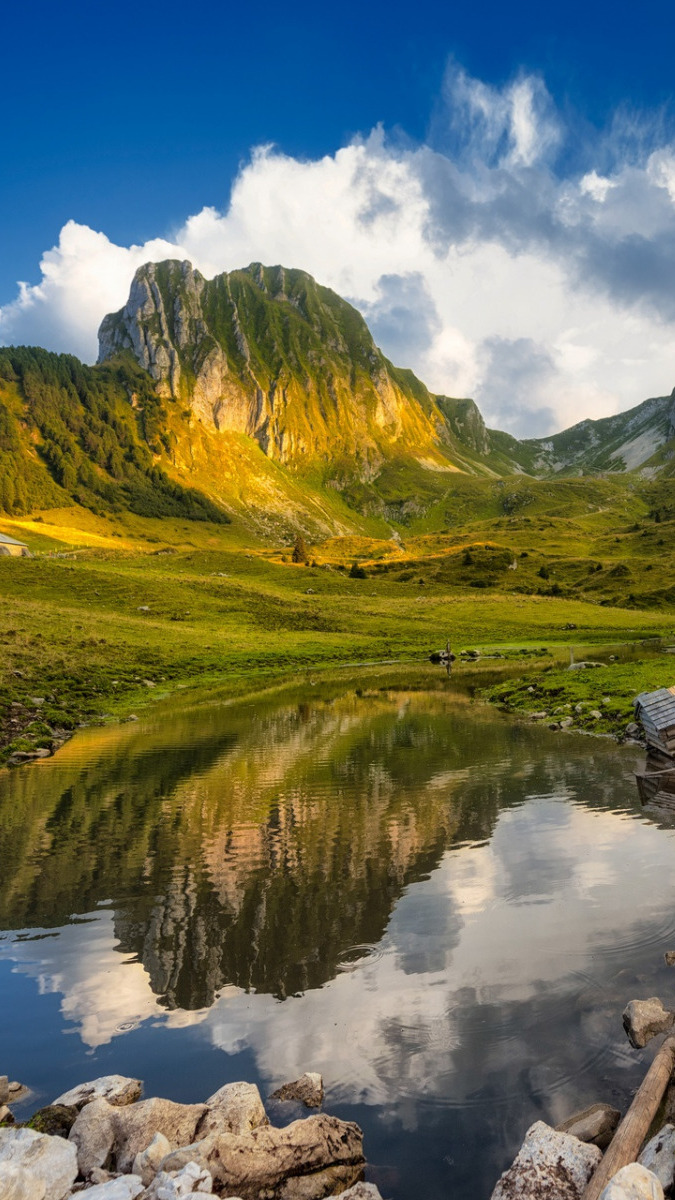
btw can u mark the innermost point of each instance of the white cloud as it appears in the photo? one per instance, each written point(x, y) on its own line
point(548, 297)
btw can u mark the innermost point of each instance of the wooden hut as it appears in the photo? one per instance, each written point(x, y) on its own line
point(9, 546)
point(656, 713)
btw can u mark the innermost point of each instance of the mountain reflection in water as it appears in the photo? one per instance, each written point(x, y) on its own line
point(443, 911)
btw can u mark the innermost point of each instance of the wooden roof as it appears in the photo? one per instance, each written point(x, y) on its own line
point(10, 541)
point(658, 707)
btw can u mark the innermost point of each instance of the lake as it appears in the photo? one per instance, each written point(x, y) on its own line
point(440, 909)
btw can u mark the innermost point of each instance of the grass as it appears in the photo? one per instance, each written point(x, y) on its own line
point(112, 614)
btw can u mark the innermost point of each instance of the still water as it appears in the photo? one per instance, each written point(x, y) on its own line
point(441, 910)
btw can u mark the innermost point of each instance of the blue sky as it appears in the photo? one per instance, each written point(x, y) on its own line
point(129, 120)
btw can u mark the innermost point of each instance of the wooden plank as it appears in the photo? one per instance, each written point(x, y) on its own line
point(627, 1141)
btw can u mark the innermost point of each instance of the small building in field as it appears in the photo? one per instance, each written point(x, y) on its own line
point(656, 712)
point(9, 546)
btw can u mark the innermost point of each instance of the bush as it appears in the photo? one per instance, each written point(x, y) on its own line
point(357, 572)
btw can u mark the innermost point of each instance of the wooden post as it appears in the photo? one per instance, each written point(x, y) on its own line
point(631, 1133)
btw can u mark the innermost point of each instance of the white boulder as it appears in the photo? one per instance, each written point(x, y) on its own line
point(116, 1089)
point(633, 1182)
point(234, 1108)
point(52, 1160)
point(548, 1164)
point(147, 1162)
point(125, 1187)
point(658, 1156)
point(17, 1183)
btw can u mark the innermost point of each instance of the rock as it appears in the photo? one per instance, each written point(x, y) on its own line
point(549, 1166)
point(17, 1183)
point(234, 1108)
point(633, 1182)
point(136, 1125)
point(52, 1160)
point(116, 1089)
point(308, 1089)
point(308, 1159)
point(57, 1119)
point(658, 1156)
point(595, 1124)
point(566, 722)
point(595, 714)
point(93, 1136)
point(191, 1180)
point(4, 1089)
point(538, 716)
point(361, 1191)
point(15, 1087)
point(125, 1187)
point(6, 1115)
point(644, 1019)
point(632, 730)
point(669, 956)
point(147, 1162)
point(104, 1131)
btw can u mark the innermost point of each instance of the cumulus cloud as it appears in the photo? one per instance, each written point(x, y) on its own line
point(479, 261)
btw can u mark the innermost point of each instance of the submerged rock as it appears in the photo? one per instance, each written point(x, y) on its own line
point(644, 1019)
point(658, 1156)
point(51, 1160)
point(595, 1124)
point(549, 1166)
point(116, 1089)
point(308, 1089)
point(633, 1182)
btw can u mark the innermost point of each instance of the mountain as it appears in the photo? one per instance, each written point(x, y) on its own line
point(641, 439)
point(269, 353)
point(261, 395)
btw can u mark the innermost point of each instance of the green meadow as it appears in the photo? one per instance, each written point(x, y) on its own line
point(113, 613)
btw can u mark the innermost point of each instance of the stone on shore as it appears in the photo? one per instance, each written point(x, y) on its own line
point(645, 1019)
point(595, 1124)
point(105, 1132)
point(19, 1184)
point(658, 1156)
point(4, 1089)
point(361, 1191)
point(234, 1108)
point(191, 1180)
point(309, 1159)
point(116, 1089)
point(308, 1089)
point(147, 1162)
point(549, 1166)
point(57, 1119)
point(125, 1187)
point(52, 1160)
point(633, 1182)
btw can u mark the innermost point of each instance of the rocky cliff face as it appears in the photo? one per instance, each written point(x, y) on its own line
point(269, 353)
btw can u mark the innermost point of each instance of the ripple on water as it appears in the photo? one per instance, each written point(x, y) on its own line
point(358, 956)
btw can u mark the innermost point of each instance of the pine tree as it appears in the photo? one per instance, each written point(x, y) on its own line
point(300, 551)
